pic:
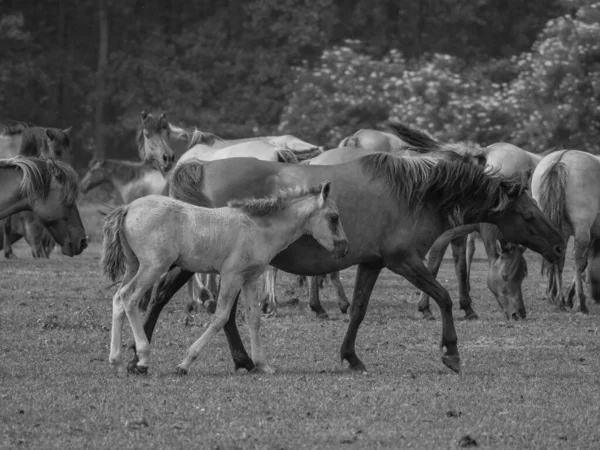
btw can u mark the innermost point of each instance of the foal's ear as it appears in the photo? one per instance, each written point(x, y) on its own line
point(325, 190)
point(53, 168)
point(67, 130)
point(144, 115)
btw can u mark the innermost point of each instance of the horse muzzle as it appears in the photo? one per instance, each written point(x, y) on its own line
point(340, 248)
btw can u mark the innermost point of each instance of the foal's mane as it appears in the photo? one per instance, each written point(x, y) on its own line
point(152, 125)
point(33, 138)
point(37, 179)
point(460, 189)
point(265, 206)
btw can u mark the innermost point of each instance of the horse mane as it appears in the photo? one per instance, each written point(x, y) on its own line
point(33, 138)
point(186, 184)
point(418, 140)
point(200, 137)
point(129, 170)
point(152, 125)
point(266, 206)
point(461, 189)
point(37, 178)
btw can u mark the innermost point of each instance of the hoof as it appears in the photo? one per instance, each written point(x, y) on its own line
point(344, 309)
point(262, 368)
point(452, 362)
point(181, 372)
point(357, 366)
point(471, 315)
point(583, 310)
point(323, 315)
point(211, 306)
point(427, 315)
point(138, 370)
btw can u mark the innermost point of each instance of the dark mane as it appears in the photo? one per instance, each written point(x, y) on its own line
point(265, 206)
point(152, 125)
point(200, 137)
point(461, 190)
point(37, 179)
point(418, 140)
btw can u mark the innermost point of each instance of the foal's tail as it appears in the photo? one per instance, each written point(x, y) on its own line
point(552, 198)
point(115, 250)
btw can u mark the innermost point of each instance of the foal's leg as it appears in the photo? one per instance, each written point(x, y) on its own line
point(118, 314)
point(459, 253)
point(580, 255)
point(313, 300)
point(411, 267)
point(339, 288)
point(366, 276)
point(434, 260)
point(270, 305)
point(250, 293)
point(230, 286)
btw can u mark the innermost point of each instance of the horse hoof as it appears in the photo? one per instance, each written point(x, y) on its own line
point(357, 367)
point(344, 310)
point(584, 310)
point(268, 370)
point(452, 362)
point(427, 315)
point(471, 315)
point(181, 372)
point(322, 315)
point(138, 370)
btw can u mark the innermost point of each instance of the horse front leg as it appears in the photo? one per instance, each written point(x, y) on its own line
point(252, 301)
point(434, 261)
point(412, 268)
point(366, 276)
point(7, 235)
point(459, 254)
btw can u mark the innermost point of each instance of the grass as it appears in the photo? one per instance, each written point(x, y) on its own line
point(531, 384)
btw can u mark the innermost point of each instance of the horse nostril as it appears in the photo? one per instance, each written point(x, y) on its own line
point(165, 159)
point(83, 244)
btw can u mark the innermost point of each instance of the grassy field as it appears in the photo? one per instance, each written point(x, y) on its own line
point(531, 384)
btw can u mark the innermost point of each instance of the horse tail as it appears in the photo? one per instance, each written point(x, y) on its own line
point(115, 250)
point(187, 182)
point(419, 140)
point(552, 198)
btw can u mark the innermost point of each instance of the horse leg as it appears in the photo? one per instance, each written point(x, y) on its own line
point(593, 270)
point(412, 268)
point(209, 291)
point(33, 237)
point(7, 233)
point(339, 288)
point(459, 254)
point(313, 301)
point(366, 276)
point(118, 314)
point(580, 255)
point(470, 252)
point(250, 292)
point(270, 305)
point(230, 287)
point(434, 260)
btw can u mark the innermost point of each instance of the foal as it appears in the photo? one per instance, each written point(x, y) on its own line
point(145, 238)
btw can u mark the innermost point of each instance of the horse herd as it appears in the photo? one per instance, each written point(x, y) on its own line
point(246, 208)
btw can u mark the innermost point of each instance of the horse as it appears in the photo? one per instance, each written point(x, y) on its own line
point(393, 210)
point(507, 266)
point(374, 140)
point(26, 225)
point(145, 238)
point(49, 189)
point(153, 140)
point(29, 140)
point(566, 185)
point(131, 180)
point(209, 147)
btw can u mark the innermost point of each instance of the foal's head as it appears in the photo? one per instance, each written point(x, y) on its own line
point(58, 144)
point(324, 223)
point(95, 175)
point(153, 140)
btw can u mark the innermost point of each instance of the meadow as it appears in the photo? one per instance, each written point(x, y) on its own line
point(527, 384)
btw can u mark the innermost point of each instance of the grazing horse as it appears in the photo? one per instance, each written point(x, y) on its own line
point(131, 180)
point(26, 225)
point(147, 237)
point(48, 189)
point(26, 140)
point(566, 185)
point(393, 209)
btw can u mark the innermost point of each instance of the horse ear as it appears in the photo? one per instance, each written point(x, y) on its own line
point(50, 134)
point(325, 191)
point(67, 130)
point(144, 115)
point(164, 116)
point(53, 168)
point(499, 248)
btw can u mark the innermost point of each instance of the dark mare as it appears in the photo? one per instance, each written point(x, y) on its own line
point(29, 140)
point(393, 209)
point(48, 189)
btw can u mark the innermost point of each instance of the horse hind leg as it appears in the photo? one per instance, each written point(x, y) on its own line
point(580, 255)
point(230, 287)
point(313, 301)
point(118, 315)
point(459, 254)
point(434, 261)
point(341, 294)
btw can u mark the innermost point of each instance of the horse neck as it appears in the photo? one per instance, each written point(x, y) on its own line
point(288, 225)
point(11, 199)
point(535, 158)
